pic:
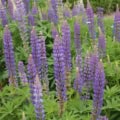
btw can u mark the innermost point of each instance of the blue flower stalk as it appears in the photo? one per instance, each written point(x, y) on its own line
point(36, 53)
point(66, 40)
point(117, 25)
point(22, 74)
point(98, 89)
point(78, 83)
point(87, 75)
point(21, 14)
point(35, 89)
point(3, 14)
point(100, 19)
point(77, 37)
point(52, 16)
point(44, 64)
point(67, 12)
point(9, 56)
point(101, 44)
point(90, 21)
point(59, 73)
point(54, 32)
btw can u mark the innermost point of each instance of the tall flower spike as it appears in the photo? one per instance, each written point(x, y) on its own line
point(117, 24)
point(100, 18)
point(52, 16)
point(98, 88)
point(78, 83)
point(32, 72)
point(66, 38)
point(90, 21)
point(59, 72)
point(27, 5)
point(22, 73)
point(44, 65)
point(77, 36)
point(87, 75)
point(67, 12)
point(35, 50)
point(101, 44)
point(54, 32)
point(9, 56)
point(3, 15)
point(35, 89)
point(37, 99)
point(22, 23)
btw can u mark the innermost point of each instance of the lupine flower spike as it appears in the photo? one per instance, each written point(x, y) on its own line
point(36, 89)
point(117, 25)
point(101, 44)
point(90, 20)
point(98, 88)
point(22, 74)
point(22, 23)
point(78, 83)
point(77, 37)
point(36, 50)
point(100, 19)
point(9, 56)
point(59, 72)
point(66, 40)
point(44, 65)
point(3, 15)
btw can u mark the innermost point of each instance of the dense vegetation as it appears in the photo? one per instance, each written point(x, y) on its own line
point(31, 36)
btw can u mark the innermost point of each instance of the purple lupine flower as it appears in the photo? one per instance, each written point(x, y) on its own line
point(98, 88)
point(34, 9)
point(101, 44)
point(90, 20)
point(54, 5)
point(77, 36)
point(22, 23)
point(67, 12)
point(66, 38)
point(52, 16)
point(31, 19)
point(75, 10)
point(59, 72)
point(94, 59)
point(32, 72)
point(54, 32)
point(78, 83)
point(38, 100)
point(44, 65)
point(3, 15)
point(9, 56)
point(45, 16)
point(22, 73)
point(35, 50)
point(27, 5)
point(87, 75)
point(3, 2)
point(35, 89)
point(100, 18)
point(117, 24)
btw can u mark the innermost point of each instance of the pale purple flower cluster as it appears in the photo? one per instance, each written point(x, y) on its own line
point(90, 21)
point(3, 15)
point(22, 74)
point(66, 40)
point(100, 19)
point(101, 44)
point(98, 89)
point(77, 36)
point(59, 72)
point(9, 56)
point(36, 89)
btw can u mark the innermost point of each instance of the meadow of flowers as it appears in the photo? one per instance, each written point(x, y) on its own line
point(58, 62)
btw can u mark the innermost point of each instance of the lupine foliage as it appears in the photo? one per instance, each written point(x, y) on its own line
point(63, 78)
